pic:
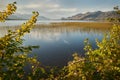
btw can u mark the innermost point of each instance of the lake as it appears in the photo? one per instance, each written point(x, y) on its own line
point(57, 44)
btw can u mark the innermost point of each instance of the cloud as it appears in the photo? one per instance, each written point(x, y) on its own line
point(63, 10)
point(48, 7)
point(2, 5)
point(32, 6)
point(51, 10)
point(39, 6)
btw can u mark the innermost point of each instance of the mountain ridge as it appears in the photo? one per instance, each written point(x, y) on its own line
point(97, 15)
point(24, 17)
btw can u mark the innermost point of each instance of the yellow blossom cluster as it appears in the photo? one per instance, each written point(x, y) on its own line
point(11, 8)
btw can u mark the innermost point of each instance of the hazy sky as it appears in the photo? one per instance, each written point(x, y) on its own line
point(61, 8)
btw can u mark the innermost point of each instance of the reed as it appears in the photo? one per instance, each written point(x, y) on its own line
point(78, 24)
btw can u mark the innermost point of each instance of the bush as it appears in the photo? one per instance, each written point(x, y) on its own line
point(13, 55)
point(102, 63)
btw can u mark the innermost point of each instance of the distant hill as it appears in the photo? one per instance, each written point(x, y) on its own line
point(98, 15)
point(24, 17)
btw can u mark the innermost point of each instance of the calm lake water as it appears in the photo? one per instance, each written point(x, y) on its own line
point(57, 44)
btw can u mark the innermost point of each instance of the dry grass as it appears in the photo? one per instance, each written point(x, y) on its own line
point(78, 24)
point(85, 24)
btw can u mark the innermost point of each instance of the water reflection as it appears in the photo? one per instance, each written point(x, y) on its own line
point(57, 44)
point(54, 33)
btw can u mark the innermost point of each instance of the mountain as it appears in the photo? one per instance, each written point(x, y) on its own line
point(24, 17)
point(98, 15)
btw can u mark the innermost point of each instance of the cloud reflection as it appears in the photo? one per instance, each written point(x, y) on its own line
point(44, 35)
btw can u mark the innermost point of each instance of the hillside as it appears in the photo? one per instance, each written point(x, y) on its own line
point(98, 15)
point(24, 17)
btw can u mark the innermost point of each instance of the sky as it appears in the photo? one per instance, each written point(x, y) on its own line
point(56, 9)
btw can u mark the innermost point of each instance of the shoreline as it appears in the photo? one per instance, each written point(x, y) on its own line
point(71, 24)
point(78, 24)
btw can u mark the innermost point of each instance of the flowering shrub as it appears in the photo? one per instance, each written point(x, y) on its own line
point(102, 63)
point(13, 55)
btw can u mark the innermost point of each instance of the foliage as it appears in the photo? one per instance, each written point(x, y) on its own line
point(11, 8)
point(13, 55)
point(116, 19)
point(102, 63)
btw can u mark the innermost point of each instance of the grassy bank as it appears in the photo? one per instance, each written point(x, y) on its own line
point(78, 24)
